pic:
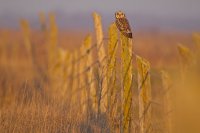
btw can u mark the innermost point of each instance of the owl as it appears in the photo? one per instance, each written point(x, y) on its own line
point(123, 24)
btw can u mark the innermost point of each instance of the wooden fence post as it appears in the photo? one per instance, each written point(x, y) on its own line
point(102, 83)
point(127, 76)
point(144, 88)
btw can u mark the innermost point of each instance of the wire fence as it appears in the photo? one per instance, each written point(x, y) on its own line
point(96, 64)
point(104, 83)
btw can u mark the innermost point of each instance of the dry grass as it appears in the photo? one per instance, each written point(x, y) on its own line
point(27, 103)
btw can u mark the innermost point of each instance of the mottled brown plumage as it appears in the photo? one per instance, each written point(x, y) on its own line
point(123, 24)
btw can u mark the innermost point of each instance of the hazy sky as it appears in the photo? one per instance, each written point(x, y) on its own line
point(167, 14)
point(160, 8)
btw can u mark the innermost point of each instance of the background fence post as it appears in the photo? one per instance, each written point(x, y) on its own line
point(166, 82)
point(102, 83)
point(26, 36)
point(144, 88)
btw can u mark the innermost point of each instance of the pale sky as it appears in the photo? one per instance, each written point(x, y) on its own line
point(161, 13)
point(174, 8)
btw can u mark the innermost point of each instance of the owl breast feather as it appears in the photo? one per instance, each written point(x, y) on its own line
point(124, 27)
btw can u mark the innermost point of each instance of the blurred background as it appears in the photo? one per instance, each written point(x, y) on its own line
point(167, 15)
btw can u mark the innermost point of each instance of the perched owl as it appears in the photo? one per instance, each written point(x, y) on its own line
point(122, 24)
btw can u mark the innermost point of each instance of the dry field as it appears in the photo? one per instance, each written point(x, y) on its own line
point(73, 82)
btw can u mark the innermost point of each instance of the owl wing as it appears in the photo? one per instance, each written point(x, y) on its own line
point(124, 27)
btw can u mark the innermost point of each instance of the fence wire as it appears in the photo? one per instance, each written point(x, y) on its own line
point(97, 62)
point(88, 51)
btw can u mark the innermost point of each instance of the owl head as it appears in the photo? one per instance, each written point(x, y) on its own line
point(119, 14)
